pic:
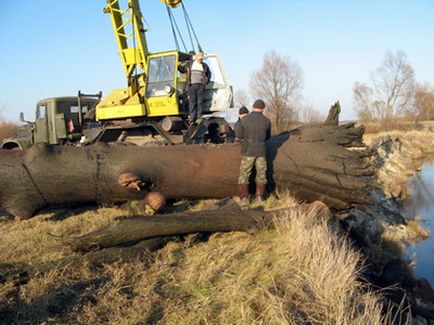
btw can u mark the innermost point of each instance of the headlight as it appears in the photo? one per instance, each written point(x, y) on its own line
point(168, 89)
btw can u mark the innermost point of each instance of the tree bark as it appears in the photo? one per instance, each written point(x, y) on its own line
point(132, 229)
point(314, 164)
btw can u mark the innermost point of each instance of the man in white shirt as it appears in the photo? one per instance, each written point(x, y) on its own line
point(198, 76)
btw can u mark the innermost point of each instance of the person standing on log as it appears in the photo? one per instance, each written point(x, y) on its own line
point(254, 129)
point(198, 76)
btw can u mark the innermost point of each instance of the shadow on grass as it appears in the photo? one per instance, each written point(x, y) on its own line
point(62, 212)
point(53, 306)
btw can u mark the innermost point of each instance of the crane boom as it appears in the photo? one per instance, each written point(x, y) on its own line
point(130, 35)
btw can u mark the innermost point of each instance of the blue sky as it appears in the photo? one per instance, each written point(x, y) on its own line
point(56, 47)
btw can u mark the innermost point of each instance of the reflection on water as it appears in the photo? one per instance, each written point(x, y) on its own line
point(422, 204)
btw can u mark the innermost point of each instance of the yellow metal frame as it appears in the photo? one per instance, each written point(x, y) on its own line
point(120, 105)
point(164, 105)
point(131, 19)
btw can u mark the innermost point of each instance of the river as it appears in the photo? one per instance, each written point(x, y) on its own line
point(422, 204)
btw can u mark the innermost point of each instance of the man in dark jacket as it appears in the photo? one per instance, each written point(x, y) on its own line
point(198, 76)
point(254, 129)
point(243, 111)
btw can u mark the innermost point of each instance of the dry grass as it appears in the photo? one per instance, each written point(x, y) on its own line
point(417, 142)
point(396, 125)
point(27, 241)
point(301, 272)
point(416, 230)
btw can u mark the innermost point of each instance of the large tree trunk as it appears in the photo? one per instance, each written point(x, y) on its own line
point(314, 165)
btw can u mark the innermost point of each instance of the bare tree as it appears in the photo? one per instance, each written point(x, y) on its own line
point(278, 82)
point(391, 92)
point(363, 98)
point(424, 102)
point(241, 98)
point(308, 114)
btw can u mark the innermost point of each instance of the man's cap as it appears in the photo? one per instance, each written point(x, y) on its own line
point(259, 103)
point(243, 110)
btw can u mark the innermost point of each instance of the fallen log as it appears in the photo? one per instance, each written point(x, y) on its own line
point(131, 229)
point(314, 164)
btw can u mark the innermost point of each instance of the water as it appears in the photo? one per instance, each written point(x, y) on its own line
point(422, 204)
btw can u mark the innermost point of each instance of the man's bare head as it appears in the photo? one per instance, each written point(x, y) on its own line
point(199, 57)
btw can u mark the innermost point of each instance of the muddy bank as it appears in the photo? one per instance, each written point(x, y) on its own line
point(380, 228)
point(398, 156)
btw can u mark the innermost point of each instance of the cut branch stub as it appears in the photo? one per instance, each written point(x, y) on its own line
point(130, 181)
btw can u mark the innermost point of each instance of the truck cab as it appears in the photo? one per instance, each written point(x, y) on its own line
point(58, 120)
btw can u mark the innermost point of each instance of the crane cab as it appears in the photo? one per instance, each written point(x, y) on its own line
point(162, 90)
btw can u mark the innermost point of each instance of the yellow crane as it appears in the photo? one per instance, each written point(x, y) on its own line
point(153, 106)
point(156, 93)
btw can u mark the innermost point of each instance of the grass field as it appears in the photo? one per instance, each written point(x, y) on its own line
point(300, 272)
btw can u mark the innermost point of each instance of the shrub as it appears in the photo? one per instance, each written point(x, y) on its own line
point(7, 130)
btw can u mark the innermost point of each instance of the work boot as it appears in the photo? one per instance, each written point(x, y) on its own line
point(243, 192)
point(260, 192)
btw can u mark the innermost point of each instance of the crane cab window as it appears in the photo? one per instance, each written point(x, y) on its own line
point(41, 111)
point(217, 79)
point(161, 75)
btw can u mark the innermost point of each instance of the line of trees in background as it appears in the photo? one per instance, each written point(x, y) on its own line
point(7, 129)
point(393, 93)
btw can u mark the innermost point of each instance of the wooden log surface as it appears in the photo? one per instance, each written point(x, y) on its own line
point(315, 164)
point(131, 229)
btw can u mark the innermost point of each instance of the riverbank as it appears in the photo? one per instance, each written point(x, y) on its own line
point(399, 154)
point(379, 226)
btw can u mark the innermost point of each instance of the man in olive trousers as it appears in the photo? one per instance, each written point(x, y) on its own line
point(253, 130)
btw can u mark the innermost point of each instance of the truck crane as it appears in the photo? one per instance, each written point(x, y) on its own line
point(152, 109)
point(155, 101)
